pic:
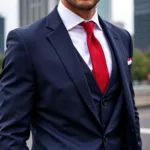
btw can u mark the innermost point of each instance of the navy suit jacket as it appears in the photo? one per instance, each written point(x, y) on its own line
point(43, 86)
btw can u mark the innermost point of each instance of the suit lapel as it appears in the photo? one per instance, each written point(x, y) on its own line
point(119, 52)
point(116, 44)
point(63, 46)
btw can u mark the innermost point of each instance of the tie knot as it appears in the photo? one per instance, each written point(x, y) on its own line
point(88, 26)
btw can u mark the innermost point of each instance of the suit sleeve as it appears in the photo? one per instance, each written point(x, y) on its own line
point(133, 95)
point(16, 95)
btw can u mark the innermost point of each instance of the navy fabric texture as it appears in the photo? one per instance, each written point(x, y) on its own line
point(45, 86)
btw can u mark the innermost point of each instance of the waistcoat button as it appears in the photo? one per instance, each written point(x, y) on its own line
point(104, 102)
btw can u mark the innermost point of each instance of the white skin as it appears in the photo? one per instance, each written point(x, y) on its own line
point(83, 8)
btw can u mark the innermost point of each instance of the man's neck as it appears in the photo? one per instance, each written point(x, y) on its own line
point(85, 14)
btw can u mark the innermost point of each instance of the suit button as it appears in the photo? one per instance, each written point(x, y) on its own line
point(104, 126)
point(132, 130)
point(105, 139)
point(129, 148)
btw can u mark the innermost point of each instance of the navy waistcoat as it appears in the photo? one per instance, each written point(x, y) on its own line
point(108, 104)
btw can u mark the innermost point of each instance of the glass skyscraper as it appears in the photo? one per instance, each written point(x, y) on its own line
point(1, 34)
point(31, 10)
point(142, 24)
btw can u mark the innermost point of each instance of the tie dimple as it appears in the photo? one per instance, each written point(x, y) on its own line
point(88, 26)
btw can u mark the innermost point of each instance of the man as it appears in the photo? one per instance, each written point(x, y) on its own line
point(67, 76)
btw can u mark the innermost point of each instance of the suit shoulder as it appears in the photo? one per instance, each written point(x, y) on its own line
point(32, 30)
point(124, 37)
point(121, 32)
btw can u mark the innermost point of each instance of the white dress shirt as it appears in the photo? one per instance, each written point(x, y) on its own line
point(78, 35)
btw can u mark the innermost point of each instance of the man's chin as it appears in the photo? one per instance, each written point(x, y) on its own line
point(85, 6)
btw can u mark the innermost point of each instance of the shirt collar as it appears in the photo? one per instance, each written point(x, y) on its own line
point(70, 19)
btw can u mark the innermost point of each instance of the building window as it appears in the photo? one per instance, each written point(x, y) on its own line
point(1, 34)
point(31, 10)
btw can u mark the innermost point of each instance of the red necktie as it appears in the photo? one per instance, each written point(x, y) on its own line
point(100, 69)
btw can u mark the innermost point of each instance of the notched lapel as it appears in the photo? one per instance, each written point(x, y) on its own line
point(122, 62)
point(116, 45)
point(60, 40)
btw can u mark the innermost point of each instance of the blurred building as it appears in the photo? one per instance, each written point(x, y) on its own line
point(104, 9)
point(22, 12)
point(1, 34)
point(31, 10)
point(142, 24)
